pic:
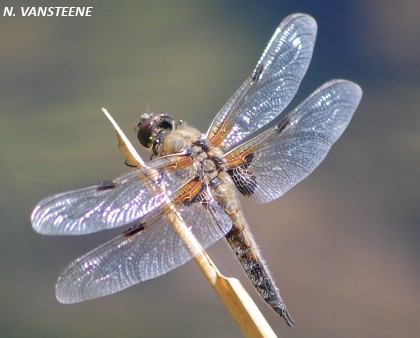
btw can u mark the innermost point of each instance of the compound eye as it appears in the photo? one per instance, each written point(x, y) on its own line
point(166, 122)
point(144, 132)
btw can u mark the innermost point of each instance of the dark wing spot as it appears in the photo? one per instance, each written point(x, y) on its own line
point(134, 230)
point(283, 124)
point(243, 179)
point(106, 185)
point(248, 160)
point(202, 197)
point(197, 198)
point(257, 73)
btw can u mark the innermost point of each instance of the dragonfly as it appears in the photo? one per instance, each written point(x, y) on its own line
point(252, 148)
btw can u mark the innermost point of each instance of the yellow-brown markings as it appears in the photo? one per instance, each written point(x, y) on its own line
point(238, 157)
point(223, 129)
point(188, 191)
point(185, 161)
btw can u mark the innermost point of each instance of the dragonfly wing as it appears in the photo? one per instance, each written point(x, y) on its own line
point(272, 85)
point(142, 253)
point(111, 204)
point(285, 154)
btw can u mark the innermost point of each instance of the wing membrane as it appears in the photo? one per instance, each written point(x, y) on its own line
point(127, 260)
point(285, 154)
point(272, 85)
point(111, 204)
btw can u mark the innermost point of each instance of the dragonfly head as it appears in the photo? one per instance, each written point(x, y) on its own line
point(151, 125)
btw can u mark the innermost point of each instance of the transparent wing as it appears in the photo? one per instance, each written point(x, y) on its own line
point(111, 204)
point(277, 159)
point(138, 256)
point(272, 85)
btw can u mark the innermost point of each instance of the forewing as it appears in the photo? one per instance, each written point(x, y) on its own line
point(111, 204)
point(272, 85)
point(277, 159)
point(141, 255)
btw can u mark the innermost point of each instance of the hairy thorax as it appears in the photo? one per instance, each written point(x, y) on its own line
point(206, 159)
point(165, 136)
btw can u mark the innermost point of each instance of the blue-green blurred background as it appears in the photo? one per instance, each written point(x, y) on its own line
point(342, 245)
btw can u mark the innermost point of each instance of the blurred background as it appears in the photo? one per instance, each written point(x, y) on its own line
point(343, 245)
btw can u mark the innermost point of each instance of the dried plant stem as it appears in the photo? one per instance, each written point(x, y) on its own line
point(233, 295)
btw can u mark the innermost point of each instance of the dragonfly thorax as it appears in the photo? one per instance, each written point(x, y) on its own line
point(207, 160)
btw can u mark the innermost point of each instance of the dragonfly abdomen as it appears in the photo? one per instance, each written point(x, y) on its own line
point(243, 245)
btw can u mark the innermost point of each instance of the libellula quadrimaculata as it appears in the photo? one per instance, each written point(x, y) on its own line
point(251, 148)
